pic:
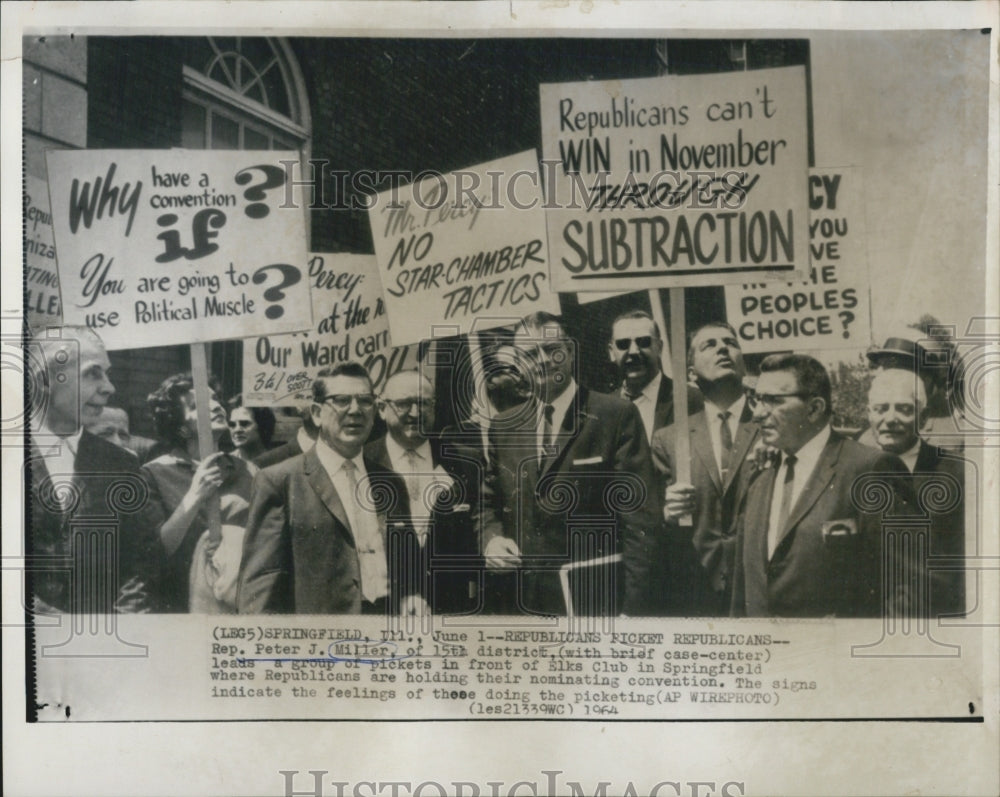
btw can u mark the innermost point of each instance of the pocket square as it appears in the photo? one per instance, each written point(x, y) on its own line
point(461, 508)
point(589, 461)
point(839, 529)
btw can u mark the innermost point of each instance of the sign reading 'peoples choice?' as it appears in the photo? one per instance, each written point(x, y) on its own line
point(162, 247)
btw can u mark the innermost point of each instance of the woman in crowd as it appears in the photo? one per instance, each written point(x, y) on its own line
point(202, 565)
point(250, 429)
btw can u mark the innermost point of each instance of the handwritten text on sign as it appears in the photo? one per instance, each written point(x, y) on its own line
point(41, 278)
point(350, 324)
point(831, 309)
point(675, 181)
point(457, 257)
point(161, 247)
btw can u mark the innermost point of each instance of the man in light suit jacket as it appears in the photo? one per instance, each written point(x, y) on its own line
point(568, 481)
point(442, 487)
point(75, 476)
point(327, 528)
point(722, 434)
point(811, 542)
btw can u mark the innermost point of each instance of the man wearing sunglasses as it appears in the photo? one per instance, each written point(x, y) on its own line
point(568, 484)
point(807, 546)
point(700, 556)
point(443, 496)
point(322, 523)
point(635, 350)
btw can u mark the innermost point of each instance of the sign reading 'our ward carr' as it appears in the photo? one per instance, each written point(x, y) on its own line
point(676, 181)
point(161, 247)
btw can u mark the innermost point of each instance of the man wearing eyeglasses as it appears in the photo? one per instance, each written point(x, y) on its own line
point(322, 523)
point(443, 497)
point(897, 411)
point(805, 546)
point(700, 556)
point(568, 483)
point(635, 350)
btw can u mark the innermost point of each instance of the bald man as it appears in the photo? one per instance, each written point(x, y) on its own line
point(74, 474)
point(442, 488)
point(897, 411)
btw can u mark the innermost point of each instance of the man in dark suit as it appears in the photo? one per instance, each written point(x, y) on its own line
point(809, 545)
point(897, 406)
point(635, 349)
point(701, 556)
point(305, 439)
point(442, 488)
point(84, 488)
point(568, 481)
point(327, 529)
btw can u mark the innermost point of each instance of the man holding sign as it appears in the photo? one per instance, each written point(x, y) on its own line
point(721, 436)
point(567, 484)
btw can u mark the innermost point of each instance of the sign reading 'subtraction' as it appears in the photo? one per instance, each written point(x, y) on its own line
point(675, 181)
point(350, 324)
point(159, 247)
point(41, 278)
point(829, 310)
point(463, 247)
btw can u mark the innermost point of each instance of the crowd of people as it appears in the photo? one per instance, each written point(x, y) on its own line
point(557, 499)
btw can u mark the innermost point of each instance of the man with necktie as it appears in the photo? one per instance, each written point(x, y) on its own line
point(810, 543)
point(700, 556)
point(442, 486)
point(90, 535)
point(567, 483)
point(327, 529)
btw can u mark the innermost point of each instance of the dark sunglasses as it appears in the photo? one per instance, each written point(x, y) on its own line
point(644, 342)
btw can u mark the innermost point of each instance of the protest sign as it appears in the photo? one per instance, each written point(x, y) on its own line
point(350, 324)
point(831, 309)
point(463, 247)
point(675, 181)
point(160, 247)
point(41, 278)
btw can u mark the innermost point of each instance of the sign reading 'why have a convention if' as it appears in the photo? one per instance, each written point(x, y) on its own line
point(160, 247)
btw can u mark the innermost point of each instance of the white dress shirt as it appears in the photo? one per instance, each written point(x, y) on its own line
point(714, 431)
point(418, 474)
point(365, 526)
point(645, 402)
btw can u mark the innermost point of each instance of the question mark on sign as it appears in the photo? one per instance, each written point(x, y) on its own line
point(846, 317)
point(256, 194)
point(289, 276)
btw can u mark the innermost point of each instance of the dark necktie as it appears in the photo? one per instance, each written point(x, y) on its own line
point(785, 508)
point(726, 439)
point(547, 413)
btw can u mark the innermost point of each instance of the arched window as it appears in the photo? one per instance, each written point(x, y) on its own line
point(243, 93)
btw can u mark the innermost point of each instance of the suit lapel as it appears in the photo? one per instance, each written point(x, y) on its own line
point(761, 524)
point(663, 413)
point(570, 428)
point(821, 476)
point(701, 446)
point(746, 433)
point(321, 483)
